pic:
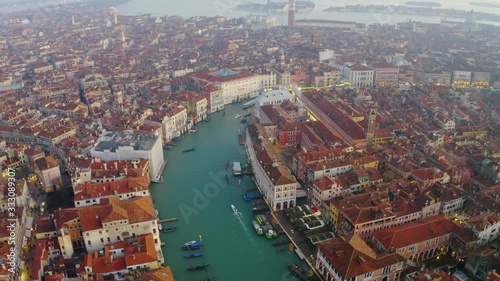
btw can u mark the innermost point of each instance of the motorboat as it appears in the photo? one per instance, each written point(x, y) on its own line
point(257, 227)
point(234, 208)
point(188, 150)
point(160, 227)
point(237, 116)
point(190, 243)
point(237, 168)
point(196, 245)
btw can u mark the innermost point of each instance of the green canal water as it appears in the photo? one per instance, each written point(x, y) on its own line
point(195, 191)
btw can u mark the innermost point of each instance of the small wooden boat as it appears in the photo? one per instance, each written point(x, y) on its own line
point(189, 150)
point(167, 147)
point(170, 229)
point(199, 267)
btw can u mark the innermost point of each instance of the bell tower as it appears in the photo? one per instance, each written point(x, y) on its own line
point(372, 116)
point(291, 13)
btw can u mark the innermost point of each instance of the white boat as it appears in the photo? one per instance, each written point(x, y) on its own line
point(157, 213)
point(160, 227)
point(234, 208)
point(193, 130)
point(237, 116)
point(237, 168)
point(189, 243)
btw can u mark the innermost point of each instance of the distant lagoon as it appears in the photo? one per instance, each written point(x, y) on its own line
point(226, 8)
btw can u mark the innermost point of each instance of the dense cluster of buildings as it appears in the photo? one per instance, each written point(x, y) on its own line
point(395, 133)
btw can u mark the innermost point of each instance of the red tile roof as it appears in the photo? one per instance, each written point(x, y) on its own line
point(351, 256)
point(415, 232)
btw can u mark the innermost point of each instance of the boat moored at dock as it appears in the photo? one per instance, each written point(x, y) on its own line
point(257, 227)
point(237, 168)
point(270, 234)
point(170, 229)
point(192, 246)
point(194, 255)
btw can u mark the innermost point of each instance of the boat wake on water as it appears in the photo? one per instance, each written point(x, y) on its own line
point(239, 216)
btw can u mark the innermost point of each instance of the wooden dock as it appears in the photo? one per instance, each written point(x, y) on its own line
point(167, 220)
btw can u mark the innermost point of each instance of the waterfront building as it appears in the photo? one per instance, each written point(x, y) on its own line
point(93, 227)
point(215, 99)
point(235, 86)
point(273, 179)
point(119, 258)
point(350, 258)
point(198, 106)
point(130, 145)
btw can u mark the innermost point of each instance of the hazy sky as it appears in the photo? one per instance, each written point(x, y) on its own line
point(189, 8)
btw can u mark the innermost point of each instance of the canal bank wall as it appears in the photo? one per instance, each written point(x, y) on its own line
point(304, 249)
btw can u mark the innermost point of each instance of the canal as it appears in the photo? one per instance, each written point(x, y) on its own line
point(195, 191)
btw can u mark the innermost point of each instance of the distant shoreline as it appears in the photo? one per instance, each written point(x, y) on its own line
point(407, 10)
point(423, 4)
point(49, 3)
point(485, 4)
